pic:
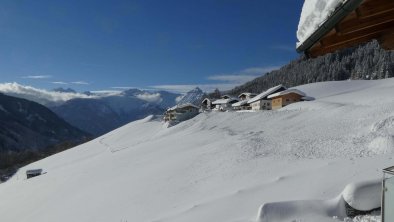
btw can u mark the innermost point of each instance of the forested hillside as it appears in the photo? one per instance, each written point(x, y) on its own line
point(368, 61)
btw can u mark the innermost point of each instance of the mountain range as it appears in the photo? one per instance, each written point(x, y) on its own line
point(28, 125)
point(99, 113)
point(103, 114)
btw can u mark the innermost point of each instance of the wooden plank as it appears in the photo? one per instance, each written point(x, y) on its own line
point(356, 25)
point(317, 51)
point(380, 28)
point(374, 7)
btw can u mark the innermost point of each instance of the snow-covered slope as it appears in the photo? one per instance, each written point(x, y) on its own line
point(218, 166)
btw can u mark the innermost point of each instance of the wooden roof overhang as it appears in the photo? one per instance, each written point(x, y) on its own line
point(353, 23)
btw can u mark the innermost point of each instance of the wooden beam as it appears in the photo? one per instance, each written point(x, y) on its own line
point(337, 39)
point(374, 8)
point(353, 26)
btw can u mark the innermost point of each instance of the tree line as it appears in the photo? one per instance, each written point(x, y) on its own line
point(368, 61)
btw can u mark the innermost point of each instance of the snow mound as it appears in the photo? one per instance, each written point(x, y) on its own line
point(363, 196)
point(302, 210)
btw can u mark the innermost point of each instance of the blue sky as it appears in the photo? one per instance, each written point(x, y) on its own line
point(162, 44)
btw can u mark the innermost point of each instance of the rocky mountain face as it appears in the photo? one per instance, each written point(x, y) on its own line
point(368, 61)
point(194, 96)
point(29, 125)
point(101, 115)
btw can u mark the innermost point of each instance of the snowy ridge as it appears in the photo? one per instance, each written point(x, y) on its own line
point(194, 96)
point(218, 166)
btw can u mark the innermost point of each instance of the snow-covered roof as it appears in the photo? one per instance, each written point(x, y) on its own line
point(224, 101)
point(181, 106)
point(314, 14)
point(288, 91)
point(240, 103)
point(206, 99)
point(247, 94)
point(266, 93)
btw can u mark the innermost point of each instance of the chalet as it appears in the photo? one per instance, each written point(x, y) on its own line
point(261, 101)
point(351, 23)
point(246, 96)
point(33, 173)
point(224, 104)
point(206, 104)
point(286, 97)
point(181, 113)
point(243, 103)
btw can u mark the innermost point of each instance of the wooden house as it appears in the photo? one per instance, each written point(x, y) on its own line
point(286, 97)
point(224, 104)
point(246, 96)
point(243, 103)
point(261, 101)
point(181, 113)
point(353, 22)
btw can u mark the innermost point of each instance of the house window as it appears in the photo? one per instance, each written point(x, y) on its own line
point(287, 100)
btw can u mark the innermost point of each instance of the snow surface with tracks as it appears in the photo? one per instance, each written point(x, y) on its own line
point(219, 167)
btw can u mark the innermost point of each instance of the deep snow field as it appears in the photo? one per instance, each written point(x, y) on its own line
point(219, 167)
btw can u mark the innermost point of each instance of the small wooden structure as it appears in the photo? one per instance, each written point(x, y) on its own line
point(352, 23)
point(261, 101)
point(33, 173)
point(284, 98)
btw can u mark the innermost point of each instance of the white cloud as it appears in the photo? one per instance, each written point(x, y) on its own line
point(223, 81)
point(37, 77)
point(232, 78)
point(123, 87)
point(151, 98)
point(242, 76)
point(41, 96)
point(203, 87)
point(259, 70)
point(59, 83)
point(80, 83)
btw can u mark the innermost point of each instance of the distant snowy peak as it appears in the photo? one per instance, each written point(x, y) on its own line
point(63, 90)
point(194, 96)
